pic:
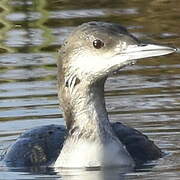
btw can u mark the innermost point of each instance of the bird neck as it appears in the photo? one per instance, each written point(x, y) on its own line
point(84, 109)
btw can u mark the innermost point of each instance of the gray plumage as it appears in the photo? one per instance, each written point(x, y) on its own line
point(41, 146)
point(91, 52)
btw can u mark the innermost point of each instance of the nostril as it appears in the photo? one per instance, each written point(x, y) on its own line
point(142, 44)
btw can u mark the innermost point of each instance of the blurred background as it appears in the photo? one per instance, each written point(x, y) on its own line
point(145, 96)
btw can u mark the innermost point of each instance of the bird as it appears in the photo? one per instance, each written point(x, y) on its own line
point(92, 52)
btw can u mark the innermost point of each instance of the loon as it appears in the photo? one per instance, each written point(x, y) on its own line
point(92, 52)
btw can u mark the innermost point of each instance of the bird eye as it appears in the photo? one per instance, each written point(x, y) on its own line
point(98, 44)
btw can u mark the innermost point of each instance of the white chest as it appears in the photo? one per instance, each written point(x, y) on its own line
point(93, 154)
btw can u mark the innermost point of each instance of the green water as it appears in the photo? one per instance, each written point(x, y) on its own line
point(145, 96)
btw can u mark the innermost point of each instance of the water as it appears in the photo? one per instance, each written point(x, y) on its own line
point(145, 96)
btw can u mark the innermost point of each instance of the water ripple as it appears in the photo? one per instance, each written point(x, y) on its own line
point(20, 16)
point(81, 13)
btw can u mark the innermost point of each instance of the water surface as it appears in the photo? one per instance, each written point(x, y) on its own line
point(145, 96)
